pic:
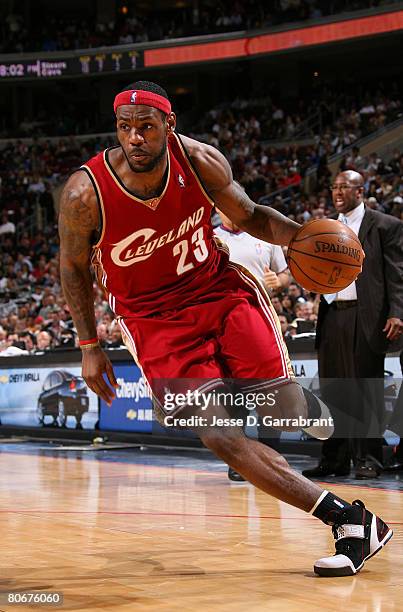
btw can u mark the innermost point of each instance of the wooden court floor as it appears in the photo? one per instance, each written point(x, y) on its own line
point(117, 537)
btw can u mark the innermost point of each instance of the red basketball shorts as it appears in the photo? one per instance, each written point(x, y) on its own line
point(234, 333)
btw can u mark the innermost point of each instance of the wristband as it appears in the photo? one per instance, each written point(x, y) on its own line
point(90, 345)
point(90, 341)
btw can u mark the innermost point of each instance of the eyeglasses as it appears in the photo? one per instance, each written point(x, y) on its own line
point(343, 187)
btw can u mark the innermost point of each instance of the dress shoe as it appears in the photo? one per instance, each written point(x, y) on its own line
point(366, 470)
point(235, 476)
point(326, 469)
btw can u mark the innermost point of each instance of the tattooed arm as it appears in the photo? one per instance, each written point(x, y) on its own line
point(78, 222)
point(216, 174)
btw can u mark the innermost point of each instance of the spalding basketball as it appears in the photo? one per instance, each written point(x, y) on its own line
point(325, 256)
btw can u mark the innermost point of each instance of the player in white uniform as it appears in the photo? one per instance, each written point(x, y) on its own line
point(267, 263)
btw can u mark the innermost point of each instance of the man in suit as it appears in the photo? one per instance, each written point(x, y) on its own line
point(355, 329)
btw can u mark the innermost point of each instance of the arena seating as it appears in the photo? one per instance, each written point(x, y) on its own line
point(47, 32)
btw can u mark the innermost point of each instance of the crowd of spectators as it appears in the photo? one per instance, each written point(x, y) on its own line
point(63, 119)
point(246, 131)
point(34, 316)
point(29, 173)
point(33, 313)
point(334, 118)
point(383, 182)
point(44, 31)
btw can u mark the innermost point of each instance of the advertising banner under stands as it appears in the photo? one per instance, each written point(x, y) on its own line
point(132, 408)
point(47, 396)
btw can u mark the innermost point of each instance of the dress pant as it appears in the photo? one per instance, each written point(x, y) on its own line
point(351, 383)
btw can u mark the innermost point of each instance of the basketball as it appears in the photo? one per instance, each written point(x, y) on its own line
point(325, 256)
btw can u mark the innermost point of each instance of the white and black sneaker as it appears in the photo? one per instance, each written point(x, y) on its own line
point(359, 535)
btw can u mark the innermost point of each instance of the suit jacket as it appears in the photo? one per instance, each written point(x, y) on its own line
point(380, 284)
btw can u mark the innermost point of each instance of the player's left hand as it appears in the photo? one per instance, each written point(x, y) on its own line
point(393, 328)
point(271, 279)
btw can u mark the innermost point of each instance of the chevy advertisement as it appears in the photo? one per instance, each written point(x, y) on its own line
point(41, 397)
point(132, 408)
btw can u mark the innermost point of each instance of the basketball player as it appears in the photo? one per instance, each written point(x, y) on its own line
point(140, 212)
point(267, 263)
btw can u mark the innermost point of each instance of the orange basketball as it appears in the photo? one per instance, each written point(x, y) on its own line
point(325, 256)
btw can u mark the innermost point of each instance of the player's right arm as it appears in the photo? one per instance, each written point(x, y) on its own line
point(78, 224)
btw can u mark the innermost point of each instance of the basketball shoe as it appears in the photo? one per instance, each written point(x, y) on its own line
point(359, 535)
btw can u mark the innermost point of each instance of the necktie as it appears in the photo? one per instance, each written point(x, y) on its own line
point(330, 297)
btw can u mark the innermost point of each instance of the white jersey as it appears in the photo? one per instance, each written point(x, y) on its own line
point(252, 253)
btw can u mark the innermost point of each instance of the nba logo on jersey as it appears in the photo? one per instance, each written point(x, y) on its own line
point(133, 97)
point(181, 181)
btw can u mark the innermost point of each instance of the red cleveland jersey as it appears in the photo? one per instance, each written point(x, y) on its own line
point(157, 254)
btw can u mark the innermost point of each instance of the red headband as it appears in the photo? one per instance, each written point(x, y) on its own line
point(148, 98)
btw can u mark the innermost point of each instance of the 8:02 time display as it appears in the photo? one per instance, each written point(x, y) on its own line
point(12, 70)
